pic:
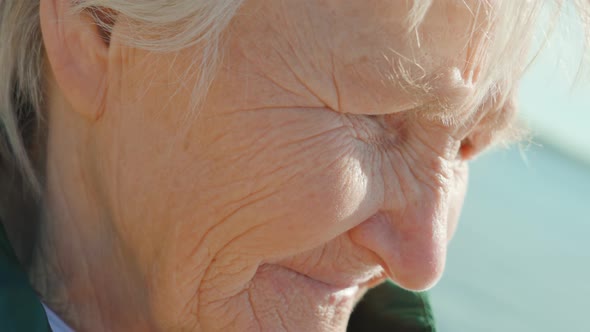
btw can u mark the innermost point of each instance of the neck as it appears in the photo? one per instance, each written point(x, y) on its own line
point(79, 265)
point(81, 270)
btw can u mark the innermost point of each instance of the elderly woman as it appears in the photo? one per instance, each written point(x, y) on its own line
point(242, 165)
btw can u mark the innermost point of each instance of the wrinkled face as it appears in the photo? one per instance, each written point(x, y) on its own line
point(313, 169)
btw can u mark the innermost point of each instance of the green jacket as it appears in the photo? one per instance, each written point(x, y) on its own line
point(384, 308)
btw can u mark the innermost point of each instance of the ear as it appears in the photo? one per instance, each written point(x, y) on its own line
point(77, 49)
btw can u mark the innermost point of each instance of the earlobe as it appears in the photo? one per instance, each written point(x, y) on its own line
point(77, 51)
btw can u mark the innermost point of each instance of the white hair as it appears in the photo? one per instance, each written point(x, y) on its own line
point(172, 25)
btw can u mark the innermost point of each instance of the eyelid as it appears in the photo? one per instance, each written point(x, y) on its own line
point(508, 130)
point(497, 123)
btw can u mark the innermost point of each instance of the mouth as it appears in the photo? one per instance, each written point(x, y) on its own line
point(321, 306)
point(283, 282)
point(341, 282)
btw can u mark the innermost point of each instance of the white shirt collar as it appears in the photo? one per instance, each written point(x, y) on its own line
point(56, 324)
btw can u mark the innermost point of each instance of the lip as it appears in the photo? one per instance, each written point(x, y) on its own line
point(288, 281)
point(342, 283)
point(375, 281)
point(318, 283)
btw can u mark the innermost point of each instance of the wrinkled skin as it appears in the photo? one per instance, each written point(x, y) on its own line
point(308, 174)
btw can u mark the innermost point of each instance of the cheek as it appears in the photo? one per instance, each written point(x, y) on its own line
point(456, 199)
point(275, 183)
point(320, 192)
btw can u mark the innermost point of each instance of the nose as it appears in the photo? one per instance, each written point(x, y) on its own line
point(411, 242)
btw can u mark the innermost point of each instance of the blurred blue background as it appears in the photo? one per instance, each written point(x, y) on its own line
point(520, 260)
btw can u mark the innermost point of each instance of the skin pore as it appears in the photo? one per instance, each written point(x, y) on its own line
point(315, 167)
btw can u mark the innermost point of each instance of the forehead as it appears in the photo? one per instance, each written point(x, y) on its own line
point(368, 57)
point(372, 55)
point(435, 56)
